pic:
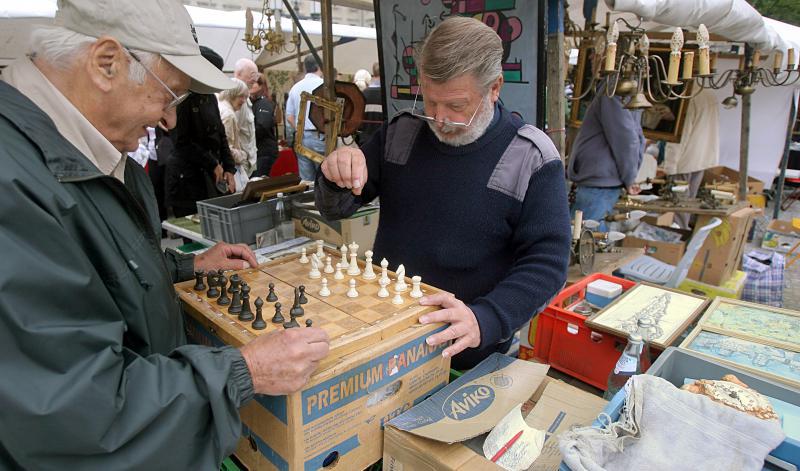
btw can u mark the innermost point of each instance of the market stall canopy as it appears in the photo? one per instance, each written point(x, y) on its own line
point(220, 30)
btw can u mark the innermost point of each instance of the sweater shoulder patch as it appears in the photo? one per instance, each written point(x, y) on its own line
point(528, 151)
point(400, 137)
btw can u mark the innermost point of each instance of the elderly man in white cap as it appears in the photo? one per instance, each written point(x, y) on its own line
point(96, 370)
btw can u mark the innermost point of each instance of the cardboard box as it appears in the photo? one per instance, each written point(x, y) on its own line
point(359, 228)
point(527, 338)
point(721, 254)
point(780, 236)
point(555, 406)
point(726, 176)
point(656, 219)
point(732, 288)
point(667, 252)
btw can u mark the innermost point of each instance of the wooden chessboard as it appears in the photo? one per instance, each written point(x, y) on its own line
point(351, 323)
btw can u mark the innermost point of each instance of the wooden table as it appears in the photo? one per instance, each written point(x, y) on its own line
point(606, 262)
point(691, 206)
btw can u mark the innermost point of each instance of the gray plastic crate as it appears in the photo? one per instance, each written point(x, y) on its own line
point(222, 220)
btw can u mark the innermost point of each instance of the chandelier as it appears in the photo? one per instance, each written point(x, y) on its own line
point(265, 36)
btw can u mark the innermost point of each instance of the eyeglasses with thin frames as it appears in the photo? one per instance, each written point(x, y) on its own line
point(176, 100)
point(448, 122)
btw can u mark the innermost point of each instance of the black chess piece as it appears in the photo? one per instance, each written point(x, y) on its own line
point(291, 324)
point(278, 317)
point(309, 322)
point(236, 302)
point(271, 296)
point(212, 292)
point(198, 284)
point(259, 323)
point(223, 300)
point(303, 298)
point(235, 282)
point(245, 314)
point(297, 310)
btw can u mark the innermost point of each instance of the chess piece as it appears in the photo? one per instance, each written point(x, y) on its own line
point(303, 298)
point(236, 302)
point(383, 292)
point(259, 323)
point(309, 322)
point(328, 265)
point(303, 256)
point(369, 272)
point(297, 309)
point(291, 324)
point(400, 284)
point(245, 314)
point(344, 263)
point(212, 292)
point(338, 275)
point(416, 291)
point(353, 248)
point(278, 317)
point(315, 262)
point(235, 281)
point(352, 293)
point(397, 299)
point(352, 268)
point(385, 270)
point(325, 291)
point(198, 283)
point(320, 253)
point(223, 299)
point(271, 296)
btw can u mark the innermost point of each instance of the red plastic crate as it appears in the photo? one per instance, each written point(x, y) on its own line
point(564, 341)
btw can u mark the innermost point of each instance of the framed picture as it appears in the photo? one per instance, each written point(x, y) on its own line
point(521, 25)
point(671, 311)
point(663, 121)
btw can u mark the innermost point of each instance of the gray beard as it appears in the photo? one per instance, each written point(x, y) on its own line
point(471, 133)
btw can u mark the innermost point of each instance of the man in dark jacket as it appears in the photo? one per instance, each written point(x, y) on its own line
point(264, 117)
point(96, 371)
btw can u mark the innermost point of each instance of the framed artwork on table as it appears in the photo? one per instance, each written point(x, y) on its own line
point(670, 310)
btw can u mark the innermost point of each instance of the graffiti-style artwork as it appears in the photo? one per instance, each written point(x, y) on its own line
point(405, 23)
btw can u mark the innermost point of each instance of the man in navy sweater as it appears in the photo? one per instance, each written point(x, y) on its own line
point(472, 199)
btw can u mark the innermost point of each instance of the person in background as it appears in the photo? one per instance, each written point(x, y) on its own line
point(142, 154)
point(202, 166)
point(266, 133)
point(606, 156)
point(362, 79)
point(160, 154)
point(230, 102)
point(311, 138)
point(373, 111)
point(247, 71)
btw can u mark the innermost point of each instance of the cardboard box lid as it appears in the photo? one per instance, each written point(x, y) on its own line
point(476, 402)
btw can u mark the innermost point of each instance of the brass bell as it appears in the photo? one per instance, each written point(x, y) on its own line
point(639, 102)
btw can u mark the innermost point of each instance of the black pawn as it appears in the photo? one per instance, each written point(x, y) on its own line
point(259, 323)
point(223, 300)
point(278, 317)
point(297, 310)
point(236, 302)
point(212, 292)
point(303, 298)
point(235, 282)
point(309, 322)
point(271, 296)
point(198, 284)
point(291, 324)
point(245, 314)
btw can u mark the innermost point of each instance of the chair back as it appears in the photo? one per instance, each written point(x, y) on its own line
point(682, 269)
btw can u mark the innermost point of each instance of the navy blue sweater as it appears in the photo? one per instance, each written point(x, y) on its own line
point(441, 217)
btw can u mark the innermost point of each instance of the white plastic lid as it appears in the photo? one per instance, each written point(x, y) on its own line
point(607, 289)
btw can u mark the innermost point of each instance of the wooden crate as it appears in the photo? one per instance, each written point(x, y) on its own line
point(379, 365)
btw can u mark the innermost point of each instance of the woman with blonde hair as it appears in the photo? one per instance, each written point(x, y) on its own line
point(231, 101)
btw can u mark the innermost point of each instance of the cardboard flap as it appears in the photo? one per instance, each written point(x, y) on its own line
point(476, 402)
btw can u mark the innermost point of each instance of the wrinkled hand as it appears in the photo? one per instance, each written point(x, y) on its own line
point(231, 182)
point(226, 256)
point(282, 362)
point(634, 189)
point(347, 167)
point(463, 328)
point(218, 173)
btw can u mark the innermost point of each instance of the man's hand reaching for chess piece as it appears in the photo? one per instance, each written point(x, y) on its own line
point(224, 256)
point(464, 328)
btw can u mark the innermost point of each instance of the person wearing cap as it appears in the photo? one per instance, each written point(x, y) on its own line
point(311, 138)
point(96, 370)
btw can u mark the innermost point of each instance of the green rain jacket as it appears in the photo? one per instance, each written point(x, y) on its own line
point(95, 369)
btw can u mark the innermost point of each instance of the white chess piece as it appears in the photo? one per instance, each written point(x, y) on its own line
point(324, 291)
point(320, 253)
point(328, 265)
point(354, 248)
point(369, 273)
point(385, 271)
point(416, 292)
point(315, 263)
point(353, 269)
point(303, 256)
point(400, 284)
point(397, 299)
point(352, 293)
point(338, 275)
point(344, 263)
point(383, 292)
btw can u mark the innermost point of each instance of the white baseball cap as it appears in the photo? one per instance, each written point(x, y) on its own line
point(163, 27)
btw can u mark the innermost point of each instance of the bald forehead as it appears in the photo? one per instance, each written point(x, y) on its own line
point(245, 66)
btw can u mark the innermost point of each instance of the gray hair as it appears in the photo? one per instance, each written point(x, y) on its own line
point(362, 78)
point(239, 89)
point(61, 47)
point(458, 46)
